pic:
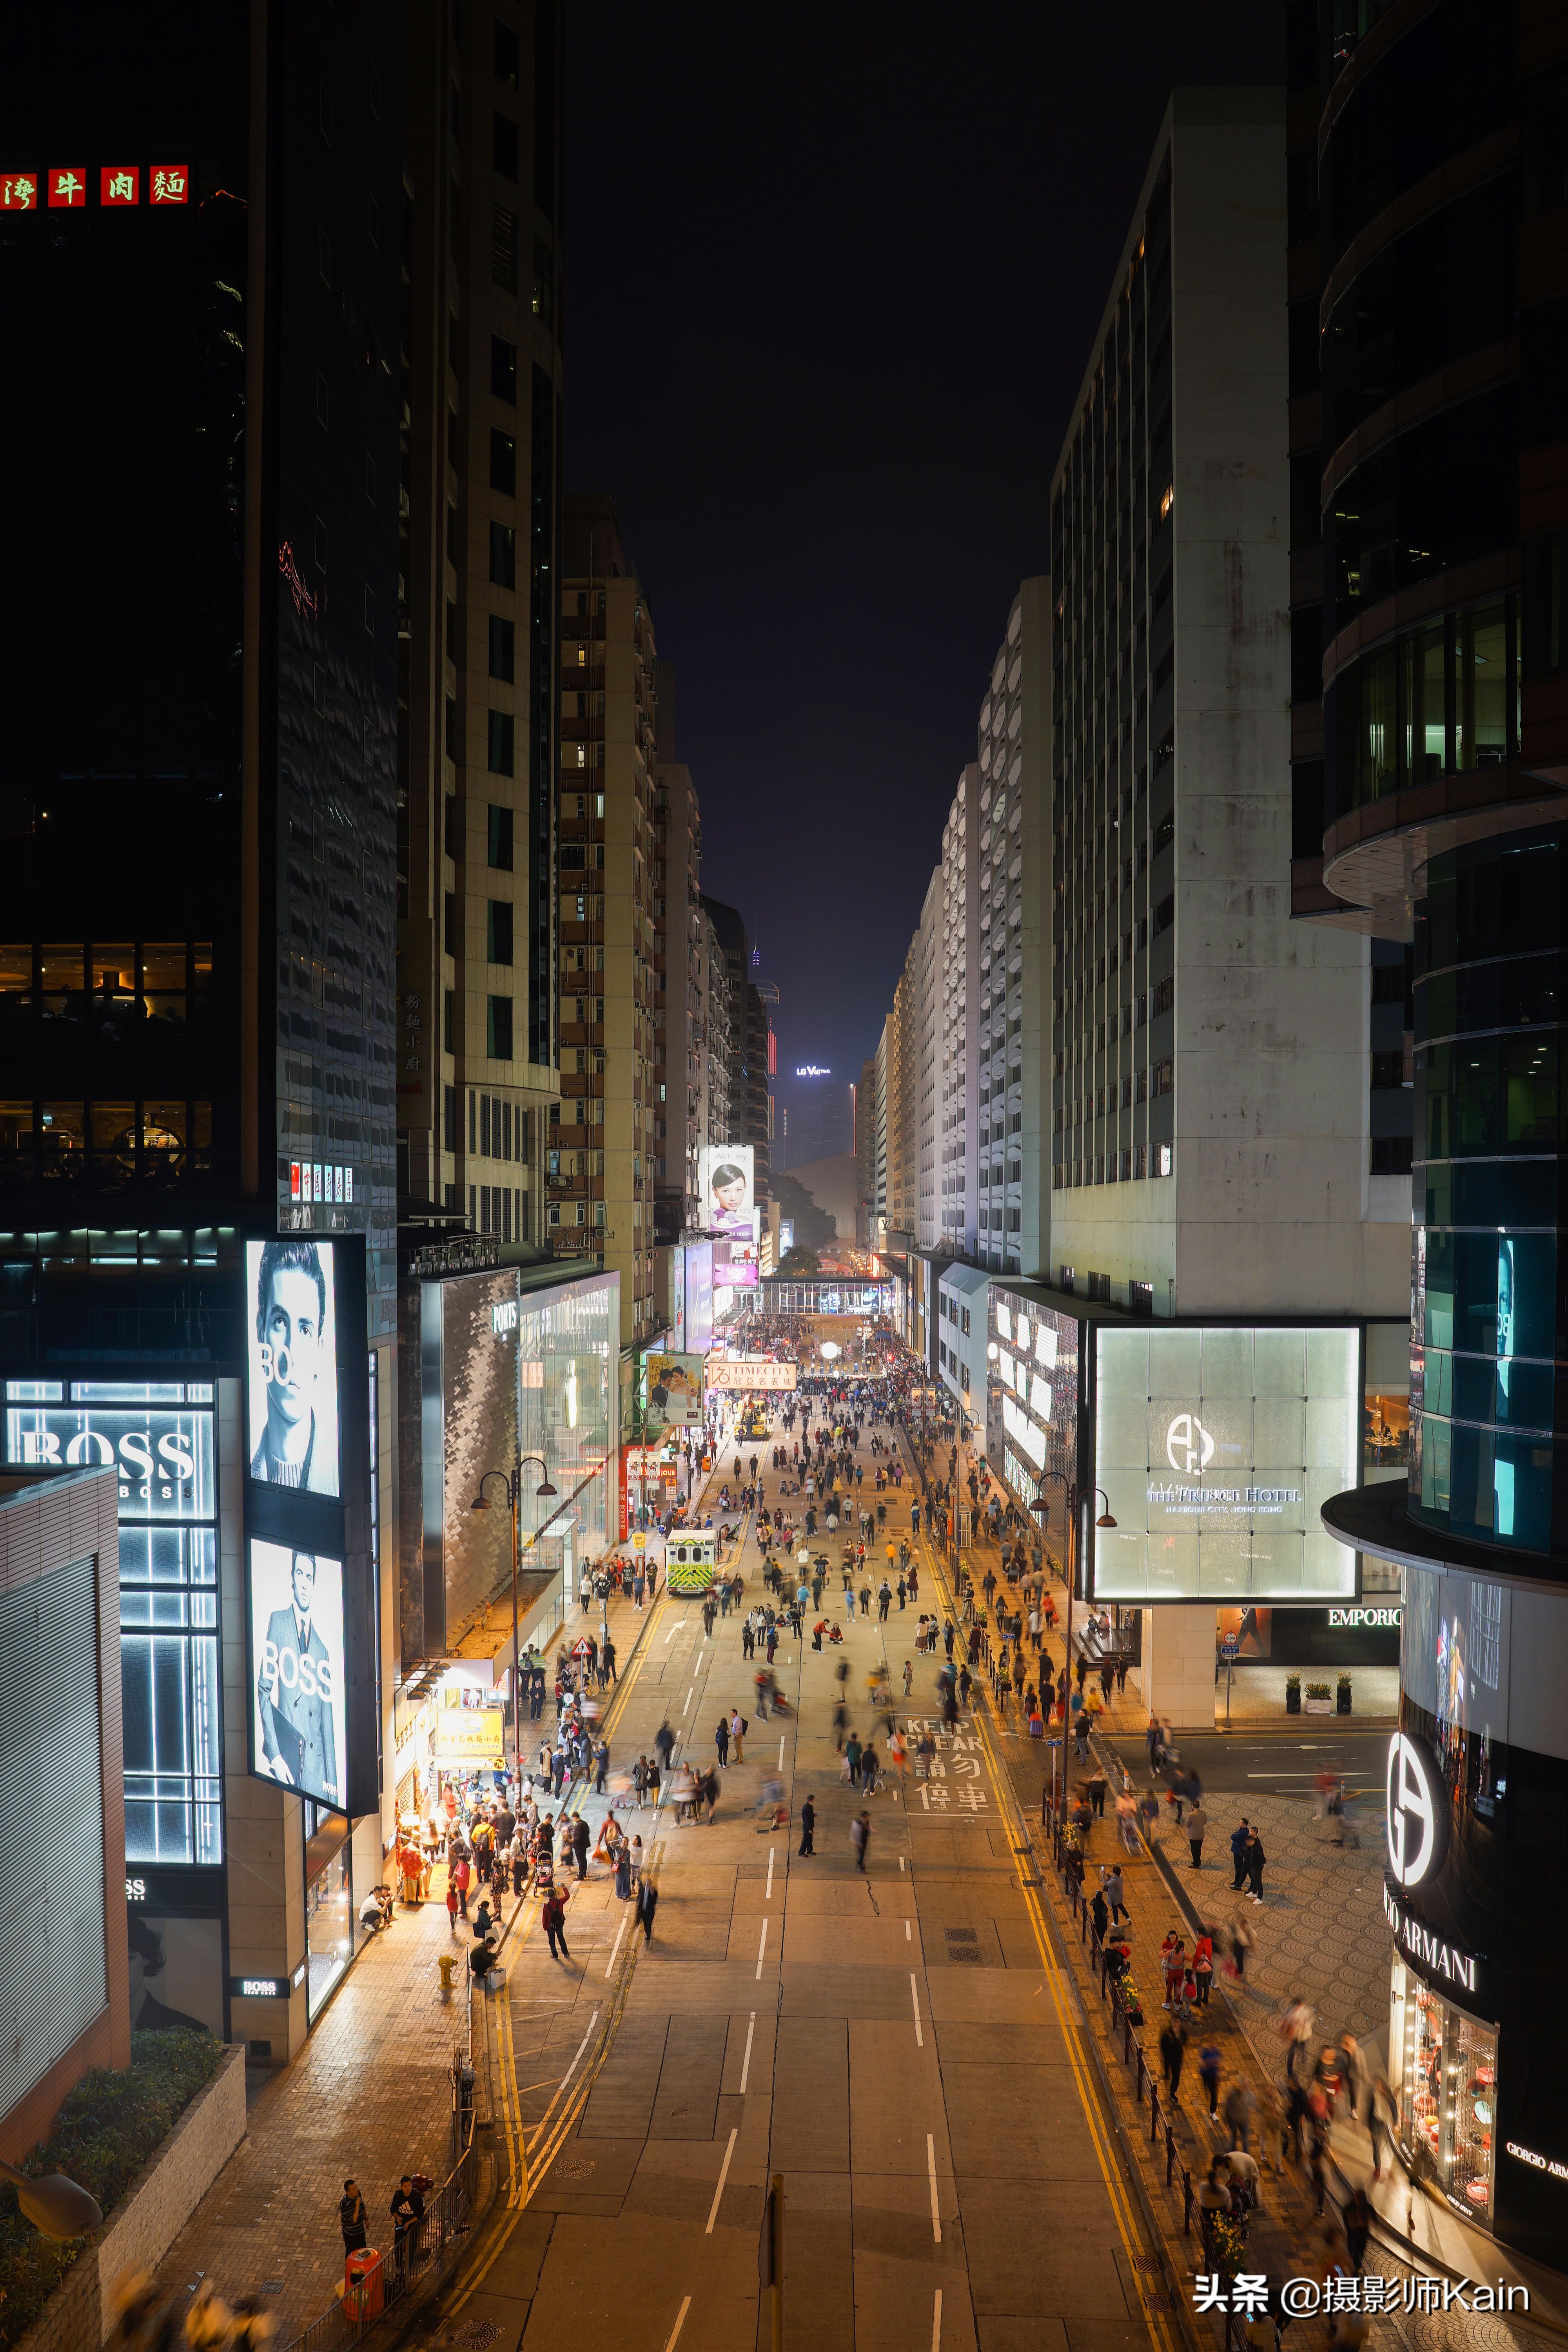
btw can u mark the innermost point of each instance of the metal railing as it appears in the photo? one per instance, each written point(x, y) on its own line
point(426, 2252)
point(1161, 2129)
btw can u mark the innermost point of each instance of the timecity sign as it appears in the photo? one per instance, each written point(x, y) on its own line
point(65, 187)
point(1450, 1962)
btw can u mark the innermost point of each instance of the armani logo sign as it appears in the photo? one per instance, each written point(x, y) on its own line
point(1417, 1811)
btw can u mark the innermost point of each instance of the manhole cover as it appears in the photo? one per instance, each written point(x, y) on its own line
point(575, 2167)
point(964, 1952)
point(960, 1935)
point(271, 2286)
point(476, 2335)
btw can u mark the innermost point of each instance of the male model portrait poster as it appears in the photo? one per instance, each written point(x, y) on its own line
point(300, 1737)
point(292, 1338)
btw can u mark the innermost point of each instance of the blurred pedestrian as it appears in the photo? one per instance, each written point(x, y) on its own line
point(860, 1838)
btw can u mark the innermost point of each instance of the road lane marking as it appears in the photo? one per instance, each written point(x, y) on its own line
point(915, 1996)
point(935, 2207)
point(769, 1895)
point(746, 2062)
point(908, 1936)
point(935, 2325)
point(615, 1947)
point(581, 2047)
point(762, 1947)
point(680, 2322)
point(781, 1751)
point(686, 1702)
point(723, 2176)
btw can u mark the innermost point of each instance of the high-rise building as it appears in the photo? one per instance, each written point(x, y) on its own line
point(603, 1149)
point(677, 920)
point(1210, 1146)
point(480, 481)
point(716, 1001)
point(1427, 200)
point(960, 1016)
point(1013, 936)
point(903, 1103)
point(749, 1033)
point(928, 1204)
point(198, 789)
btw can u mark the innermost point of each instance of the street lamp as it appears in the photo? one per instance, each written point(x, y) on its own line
point(58, 2207)
point(1070, 1550)
point(545, 1492)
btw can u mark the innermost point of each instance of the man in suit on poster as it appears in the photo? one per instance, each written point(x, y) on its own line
point(296, 1689)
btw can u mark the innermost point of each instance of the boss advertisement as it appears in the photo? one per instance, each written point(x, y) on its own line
point(291, 1335)
point(297, 1643)
point(310, 1571)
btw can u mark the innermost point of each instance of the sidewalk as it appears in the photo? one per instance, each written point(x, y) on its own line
point(369, 2095)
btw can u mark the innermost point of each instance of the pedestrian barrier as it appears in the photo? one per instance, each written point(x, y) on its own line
point(372, 2308)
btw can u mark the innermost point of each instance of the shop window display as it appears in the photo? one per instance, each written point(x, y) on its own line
point(331, 1924)
point(1446, 2064)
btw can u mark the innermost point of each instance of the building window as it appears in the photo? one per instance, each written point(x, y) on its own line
point(450, 1119)
point(451, 736)
point(449, 1020)
point(504, 649)
point(503, 462)
point(503, 146)
point(503, 370)
point(497, 1028)
point(500, 743)
point(503, 248)
point(1162, 1159)
point(450, 922)
point(503, 555)
point(500, 839)
point(498, 930)
point(506, 56)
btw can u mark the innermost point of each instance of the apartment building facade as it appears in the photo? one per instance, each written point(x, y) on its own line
point(1209, 1152)
point(479, 470)
point(959, 1052)
point(678, 919)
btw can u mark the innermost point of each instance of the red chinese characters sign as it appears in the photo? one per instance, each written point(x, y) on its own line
point(66, 186)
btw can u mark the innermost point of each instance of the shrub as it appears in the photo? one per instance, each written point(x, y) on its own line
point(107, 2129)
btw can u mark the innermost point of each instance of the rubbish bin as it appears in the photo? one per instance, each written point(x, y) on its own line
point(363, 2288)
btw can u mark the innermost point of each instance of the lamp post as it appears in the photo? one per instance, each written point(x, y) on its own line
point(55, 2206)
point(1069, 1549)
point(545, 1492)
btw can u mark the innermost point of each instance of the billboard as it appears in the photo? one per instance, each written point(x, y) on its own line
point(1217, 1449)
point(299, 1725)
point(727, 1175)
point(750, 1373)
point(736, 1265)
point(163, 1454)
point(699, 1281)
point(674, 1393)
point(291, 1339)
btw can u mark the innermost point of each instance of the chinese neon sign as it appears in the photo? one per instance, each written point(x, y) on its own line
point(65, 186)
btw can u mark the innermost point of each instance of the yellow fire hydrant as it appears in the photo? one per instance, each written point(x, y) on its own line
point(446, 1962)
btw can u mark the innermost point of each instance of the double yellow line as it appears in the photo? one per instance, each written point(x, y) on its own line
point(1099, 2140)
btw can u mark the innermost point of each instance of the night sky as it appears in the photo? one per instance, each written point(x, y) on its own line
point(832, 278)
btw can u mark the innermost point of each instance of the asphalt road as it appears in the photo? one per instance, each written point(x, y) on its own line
point(1271, 1766)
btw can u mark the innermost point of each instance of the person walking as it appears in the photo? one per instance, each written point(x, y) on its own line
point(647, 1904)
point(859, 1839)
point(807, 1827)
point(721, 1742)
point(461, 1876)
point(352, 2218)
point(1172, 2051)
point(1381, 2117)
point(1256, 1858)
point(554, 1917)
point(1114, 1896)
point(1239, 2104)
point(738, 1734)
point(581, 1839)
point(1209, 2075)
point(1197, 1823)
point(1238, 1838)
point(601, 1766)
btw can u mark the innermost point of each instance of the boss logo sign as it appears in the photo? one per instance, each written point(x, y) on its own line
point(1417, 1811)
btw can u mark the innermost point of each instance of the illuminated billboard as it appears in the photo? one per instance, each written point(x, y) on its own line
point(299, 1722)
point(291, 1342)
point(674, 1393)
point(1215, 1449)
point(750, 1373)
point(727, 1173)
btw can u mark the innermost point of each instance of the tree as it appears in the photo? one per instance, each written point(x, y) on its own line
point(814, 1228)
point(803, 1264)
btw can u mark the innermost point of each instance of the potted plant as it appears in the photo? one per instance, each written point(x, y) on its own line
point(1319, 1701)
point(1343, 1695)
point(1292, 1693)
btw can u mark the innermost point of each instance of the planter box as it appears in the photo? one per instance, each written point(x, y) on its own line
point(1317, 1706)
point(138, 2233)
point(1343, 1706)
point(1293, 1701)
